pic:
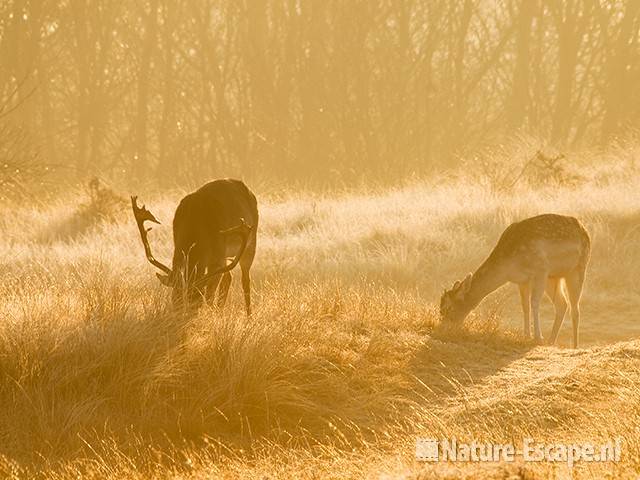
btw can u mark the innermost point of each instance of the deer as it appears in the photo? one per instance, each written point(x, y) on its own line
point(215, 223)
point(547, 253)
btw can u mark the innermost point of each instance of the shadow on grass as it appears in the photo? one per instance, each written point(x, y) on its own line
point(457, 356)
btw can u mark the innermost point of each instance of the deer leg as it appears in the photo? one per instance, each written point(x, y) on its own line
point(538, 285)
point(246, 288)
point(223, 290)
point(574, 282)
point(525, 299)
point(212, 285)
point(245, 266)
point(555, 293)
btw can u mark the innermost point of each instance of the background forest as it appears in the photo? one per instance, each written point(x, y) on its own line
point(310, 91)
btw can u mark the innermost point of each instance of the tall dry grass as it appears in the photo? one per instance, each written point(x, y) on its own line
point(343, 362)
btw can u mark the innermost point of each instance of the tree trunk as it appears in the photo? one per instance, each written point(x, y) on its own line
point(141, 165)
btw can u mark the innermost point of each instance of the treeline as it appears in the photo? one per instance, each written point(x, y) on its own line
point(310, 90)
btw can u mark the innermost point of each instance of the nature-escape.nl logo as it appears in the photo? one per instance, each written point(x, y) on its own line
point(452, 450)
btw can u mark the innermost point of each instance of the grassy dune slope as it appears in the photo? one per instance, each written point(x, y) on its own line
point(344, 362)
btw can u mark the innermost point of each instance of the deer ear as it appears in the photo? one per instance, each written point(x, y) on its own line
point(464, 287)
point(466, 283)
point(164, 279)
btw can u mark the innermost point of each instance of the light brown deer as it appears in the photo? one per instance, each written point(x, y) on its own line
point(539, 254)
point(211, 225)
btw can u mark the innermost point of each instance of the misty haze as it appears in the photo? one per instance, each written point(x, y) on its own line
point(309, 238)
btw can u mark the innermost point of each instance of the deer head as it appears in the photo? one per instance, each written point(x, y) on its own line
point(454, 305)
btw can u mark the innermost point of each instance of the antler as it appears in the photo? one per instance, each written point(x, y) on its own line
point(142, 215)
point(243, 230)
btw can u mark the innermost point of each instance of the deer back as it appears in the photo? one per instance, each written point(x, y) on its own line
point(202, 215)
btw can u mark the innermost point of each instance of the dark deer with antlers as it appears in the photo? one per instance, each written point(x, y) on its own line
point(211, 225)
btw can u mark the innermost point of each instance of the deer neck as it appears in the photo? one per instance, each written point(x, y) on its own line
point(489, 277)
